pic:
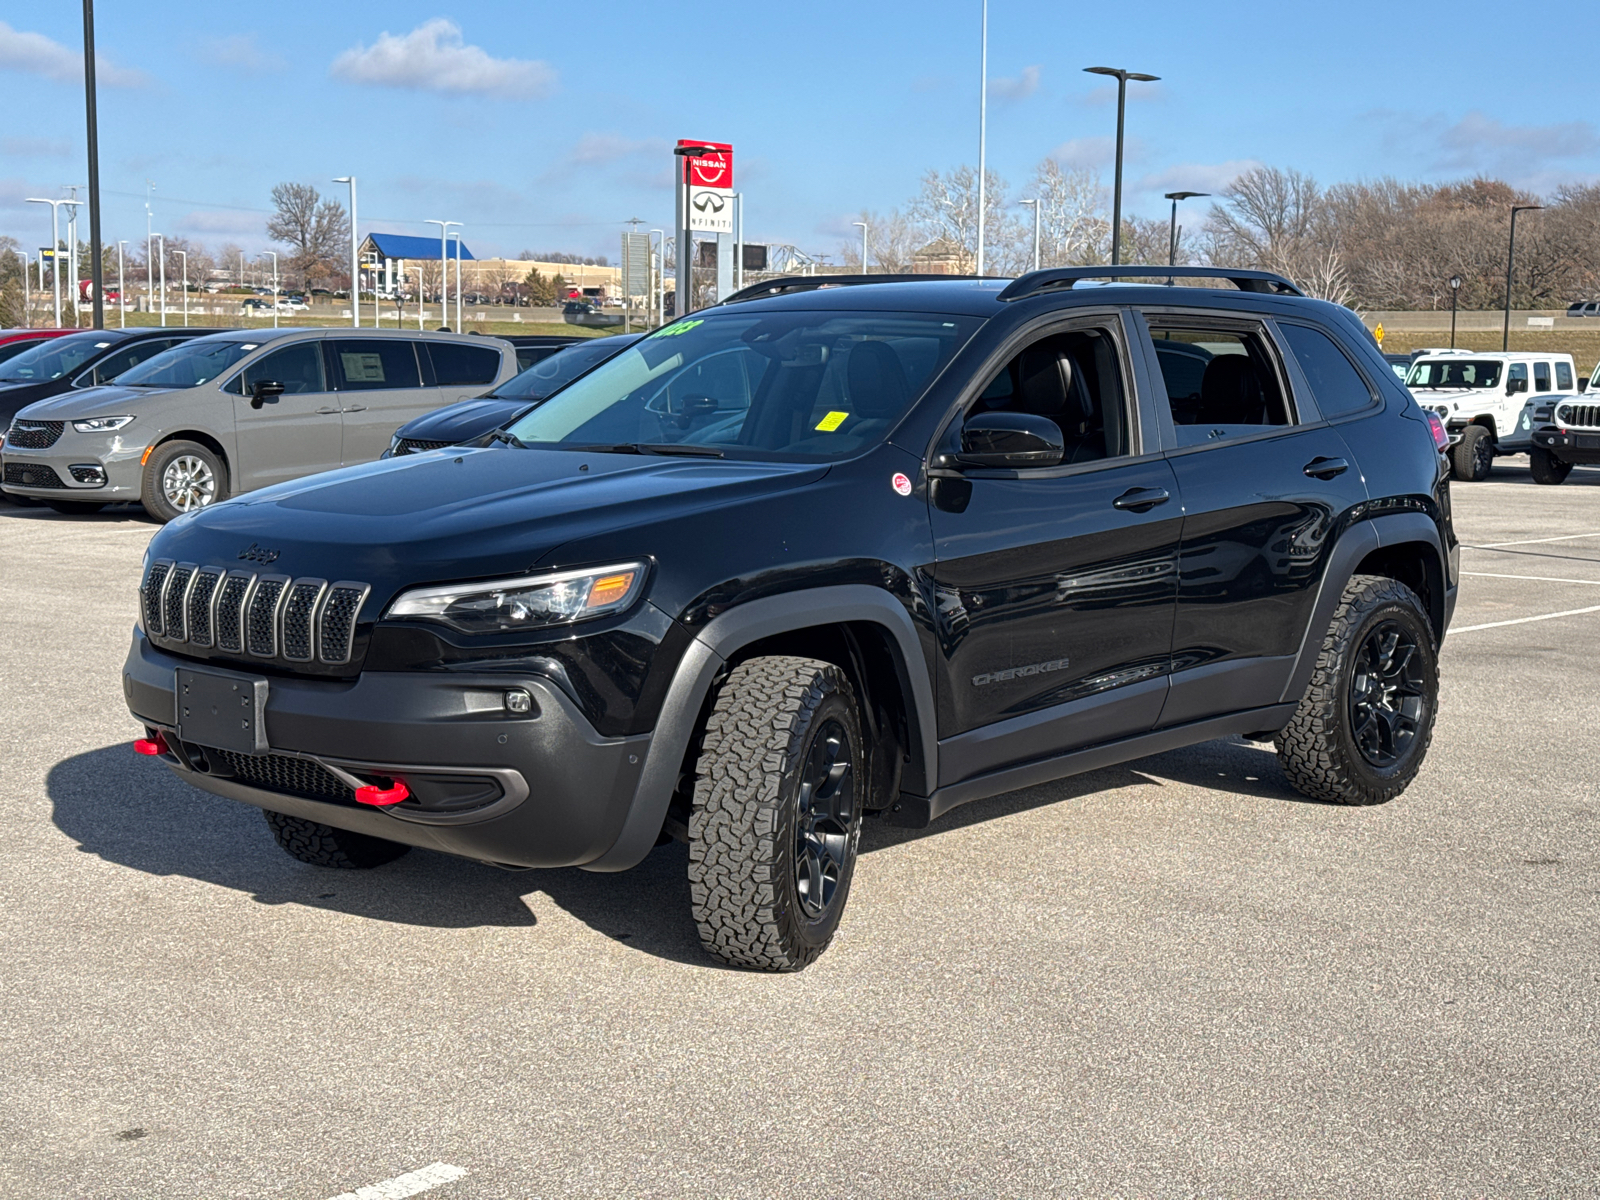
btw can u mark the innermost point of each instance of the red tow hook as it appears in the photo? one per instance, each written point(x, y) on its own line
point(382, 797)
point(151, 745)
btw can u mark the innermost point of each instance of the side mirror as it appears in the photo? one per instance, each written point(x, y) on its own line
point(1513, 386)
point(1583, 384)
point(1010, 440)
point(264, 390)
point(691, 407)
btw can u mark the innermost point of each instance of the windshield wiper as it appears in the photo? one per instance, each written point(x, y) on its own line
point(681, 448)
point(509, 438)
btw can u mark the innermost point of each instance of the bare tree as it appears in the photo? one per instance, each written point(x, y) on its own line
point(891, 241)
point(318, 230)
point(946, 210)
point(1073, 228)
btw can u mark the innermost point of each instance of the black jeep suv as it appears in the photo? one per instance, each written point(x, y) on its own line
point(817, 553)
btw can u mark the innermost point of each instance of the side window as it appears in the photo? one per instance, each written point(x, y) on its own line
point(1563, 377)
point(1074, 379)
point(1335, 382)
point(1220, 382)
point(297, 367)
point(1541, 377)
point(455, 364)
point(115, 364)
point(1516, 378)
point(373, 365)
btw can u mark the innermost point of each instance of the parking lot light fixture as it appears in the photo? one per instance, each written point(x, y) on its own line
point(1034, 204)
point(444, 272)
point(122, 292)
point(983, 130)
point(658, 276)
point(1172, 235)
point(274, 254)
point(55, 247)
point(1121, 76)
point(1455, 291)
point(161, 239)
point(456, 238)
point(355, 255)
point(1511, 258)
point(183, 254)
point(863, 226)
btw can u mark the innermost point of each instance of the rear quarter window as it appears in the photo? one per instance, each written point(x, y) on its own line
point(360, 365)
point(1338, 387)
point(455, 364)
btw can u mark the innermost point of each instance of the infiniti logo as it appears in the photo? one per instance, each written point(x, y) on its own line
point(255, 553)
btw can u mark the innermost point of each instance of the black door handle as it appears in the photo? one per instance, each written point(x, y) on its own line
point(1140, 499)
point(1326, 468)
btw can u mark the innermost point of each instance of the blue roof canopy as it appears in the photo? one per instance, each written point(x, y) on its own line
point(403, 245)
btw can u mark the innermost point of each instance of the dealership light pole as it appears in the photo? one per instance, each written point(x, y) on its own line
point(863, 226)
point(983, 126)
point(274, 254)
point(456, 238)
point(72, 254)
point(738, 242)
point(1455, 291)
point(55, 250)
point(1511, 258)
point(659, 276)
point(96, 269)
point(122, 292)
point(161, 238)
point(184, 254)
point(1121, 76)
point(685, 293)
point(1172, 236)
point(444, 270)
point(355, 255)
point(1034, 204)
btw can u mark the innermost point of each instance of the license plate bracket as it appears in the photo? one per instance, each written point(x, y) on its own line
point(227, 712)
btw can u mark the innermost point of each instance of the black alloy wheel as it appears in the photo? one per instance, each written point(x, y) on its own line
point(1388, 695)
point(824, 830)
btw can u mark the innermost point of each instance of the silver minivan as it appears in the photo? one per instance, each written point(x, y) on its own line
point(232, 412)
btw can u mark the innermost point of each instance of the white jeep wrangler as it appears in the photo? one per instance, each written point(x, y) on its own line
point(1570, 437)
point(1491, 403)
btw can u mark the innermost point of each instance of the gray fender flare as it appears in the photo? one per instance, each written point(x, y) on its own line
point(722, 638)
point(1360, 540)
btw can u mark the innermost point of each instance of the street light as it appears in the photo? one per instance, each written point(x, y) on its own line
point(456, 238)
point(659, 276)
point(1455, 291)
point(72, 254)
point(1172, 237)
point(983, 125)
point(274, 254)
point(444, 272)
point(55, 249)
point(1034, 204)
point(863, 225)
point(162, 239)
point(355, 259)
point(184, 254)
point(685, 293)
point(91, 112)
point(1121, 76)
point(1511, 258)
point(122, 292)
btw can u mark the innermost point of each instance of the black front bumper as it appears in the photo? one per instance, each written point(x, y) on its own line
point(1570, 446)
point(536, 790)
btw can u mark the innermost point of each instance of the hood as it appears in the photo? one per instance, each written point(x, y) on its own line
point(466, 420)
point(107, 400)
point(441, 517)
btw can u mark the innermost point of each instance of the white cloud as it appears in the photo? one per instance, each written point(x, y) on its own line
point(433, 58)
point(1087, 152)
point(233, 223)
point(1024, 85)
point(597, 149)
point(1478, 142)
point(1195, 177)
point(241, 52)
point(32, 147)
point(35, 54)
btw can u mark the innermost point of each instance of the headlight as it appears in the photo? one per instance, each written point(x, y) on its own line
point(529, 602)
point(394, 445)
point(100, 424)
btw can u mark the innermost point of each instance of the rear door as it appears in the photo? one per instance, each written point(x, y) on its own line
point(1266, 484)
point(380, 388)
point(284, 437)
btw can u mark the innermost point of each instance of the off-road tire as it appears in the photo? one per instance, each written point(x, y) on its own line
point(1546, 467)
point(1472, 458)
point(324, 846)
point(745, 819)
point(1317, 748)
point(74, 508)
point(151, 493)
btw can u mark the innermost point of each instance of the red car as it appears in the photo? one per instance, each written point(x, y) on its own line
point(15, 341)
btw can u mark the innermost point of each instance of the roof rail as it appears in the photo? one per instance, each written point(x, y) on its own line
point(1062, 278)
point(811, 283)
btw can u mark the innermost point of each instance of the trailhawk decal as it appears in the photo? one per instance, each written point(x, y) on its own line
point(1044, 668)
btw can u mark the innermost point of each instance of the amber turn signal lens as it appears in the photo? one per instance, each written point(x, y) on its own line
point(608, 589)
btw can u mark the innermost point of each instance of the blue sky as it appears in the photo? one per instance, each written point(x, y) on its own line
point(546, 125)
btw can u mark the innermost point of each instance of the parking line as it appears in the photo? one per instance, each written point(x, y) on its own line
point(412, 1183)
point(1571, 612)
point(1566, 537)
point(1531, 578)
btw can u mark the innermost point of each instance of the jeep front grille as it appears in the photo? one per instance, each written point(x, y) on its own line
point(1584, 415)
point(258, 616)
point(34, 435)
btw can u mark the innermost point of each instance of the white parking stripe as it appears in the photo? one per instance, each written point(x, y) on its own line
point(1566, 537)
point(1571, 612)
point(412, 1183)
point(1531, 578)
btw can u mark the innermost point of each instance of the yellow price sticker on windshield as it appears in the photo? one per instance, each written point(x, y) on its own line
point(832, 421)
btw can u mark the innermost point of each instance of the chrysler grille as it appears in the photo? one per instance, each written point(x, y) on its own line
point(262, 616)
point(34, 435)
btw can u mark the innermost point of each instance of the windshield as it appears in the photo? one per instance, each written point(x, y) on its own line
point(559, 369)
point(794, 385)
point(188, 365)
point(54, 358)
point(1453, 373)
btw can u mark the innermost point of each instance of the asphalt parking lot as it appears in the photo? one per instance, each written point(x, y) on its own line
point(1173, 978)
